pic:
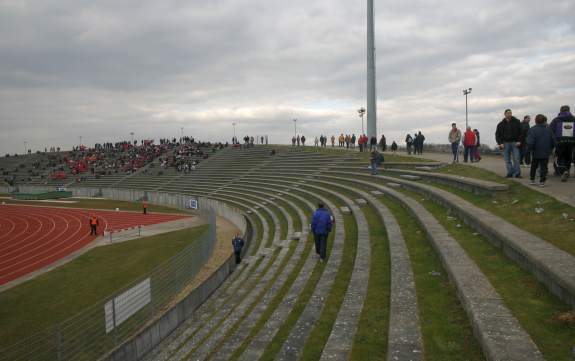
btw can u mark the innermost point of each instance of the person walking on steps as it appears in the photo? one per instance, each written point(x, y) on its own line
point(563, 128)
point(94, 225)
point(454, 139)
point(540, 142)
point(321, 225)
point(508, 138)
point(145, 207)
point(238, 244)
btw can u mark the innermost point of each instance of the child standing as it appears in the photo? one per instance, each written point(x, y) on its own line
point(541, 142)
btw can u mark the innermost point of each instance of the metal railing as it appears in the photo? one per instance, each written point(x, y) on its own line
point(98, 329)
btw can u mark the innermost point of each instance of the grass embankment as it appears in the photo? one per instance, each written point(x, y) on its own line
point(104, 204)
point(537, 310)
point(57, 295)
point(517, 206)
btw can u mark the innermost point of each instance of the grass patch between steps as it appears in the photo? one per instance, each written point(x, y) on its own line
point(248, 288)
point(530, 302)
point(259, 297)
point(280, 337)
point(446, 330)
point(320, 333)
point(371, 338)
point(517, 206)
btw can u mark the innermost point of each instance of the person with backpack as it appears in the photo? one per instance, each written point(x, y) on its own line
point(540, 142)
point(375, 159)
point(238, 244)
point(321, 225)
point(563, 129)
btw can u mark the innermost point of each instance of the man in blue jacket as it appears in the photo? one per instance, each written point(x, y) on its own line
point(321, 226)
point(563, 128)
point(238, 244)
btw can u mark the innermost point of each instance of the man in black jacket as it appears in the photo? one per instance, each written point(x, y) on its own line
point(509, 138)
point(563, 128)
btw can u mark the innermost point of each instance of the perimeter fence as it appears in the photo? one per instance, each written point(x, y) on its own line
point(98, 329)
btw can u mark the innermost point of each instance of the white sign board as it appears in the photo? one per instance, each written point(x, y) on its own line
point(127, 304)
point(192, 204)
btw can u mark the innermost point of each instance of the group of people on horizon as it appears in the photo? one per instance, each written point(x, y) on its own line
point(414, 143)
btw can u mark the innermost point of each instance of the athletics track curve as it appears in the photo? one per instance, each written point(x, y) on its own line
point(33, 237)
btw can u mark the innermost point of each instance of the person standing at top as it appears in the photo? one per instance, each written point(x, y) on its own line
point(316, 142)
point(303, 140)
point(347, 141)
point(341, 140)
point(333, 141)
point(454, 139)
point(321, 225)
point(524, 155)
point(408, 143)
point(145, 206)
point(352, 140)
point(372, 143)
point(94, 225)
point(382, 143)
point(238, 244)
point(293, 141)
point(394, 146)
point(508, 138)
point(540, 142)
point(421, 139)
point(476, 155)
point(298, 140)
point(563, 128)
point(469, 145)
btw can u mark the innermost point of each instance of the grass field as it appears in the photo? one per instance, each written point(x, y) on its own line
point(67, 290)
point(96, 203)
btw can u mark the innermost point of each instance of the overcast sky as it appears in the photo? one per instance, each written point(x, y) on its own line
point(101, 69)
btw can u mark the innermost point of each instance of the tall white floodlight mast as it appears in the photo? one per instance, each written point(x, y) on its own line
point(371, 97)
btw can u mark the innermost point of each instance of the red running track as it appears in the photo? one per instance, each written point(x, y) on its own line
point(33, 237)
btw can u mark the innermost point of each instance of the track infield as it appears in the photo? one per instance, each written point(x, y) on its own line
point(33, 237)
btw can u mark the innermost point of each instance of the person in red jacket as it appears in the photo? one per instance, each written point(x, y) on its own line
point(469, 144)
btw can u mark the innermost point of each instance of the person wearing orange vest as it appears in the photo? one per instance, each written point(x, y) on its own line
point(94, 225)
point(145, 207)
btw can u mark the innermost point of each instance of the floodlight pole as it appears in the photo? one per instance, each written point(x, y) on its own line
point(371, 94)
point(361, 112)
point(466, 92)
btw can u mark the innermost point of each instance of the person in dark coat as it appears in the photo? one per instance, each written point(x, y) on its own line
point(509, 139)
point(382, 143)
point(524, 156)
point(321, 225)
point(563, 129)
point(394, 146)
point(238, 244)
point(540, 142)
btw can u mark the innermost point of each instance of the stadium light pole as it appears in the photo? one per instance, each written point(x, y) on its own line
point(466, 92)
point(371, 93)
point(295, 128)
point(361, 112)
